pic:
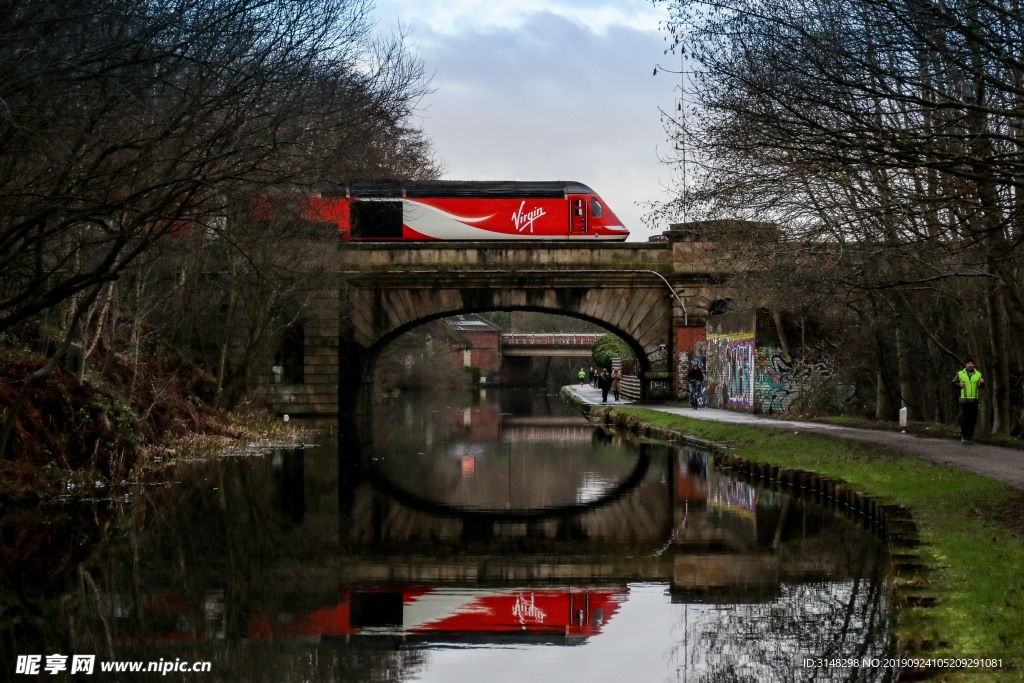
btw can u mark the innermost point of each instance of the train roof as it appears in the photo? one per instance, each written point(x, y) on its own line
point(456, 188)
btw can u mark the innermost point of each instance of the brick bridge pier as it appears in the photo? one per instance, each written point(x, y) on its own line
point(642, 292)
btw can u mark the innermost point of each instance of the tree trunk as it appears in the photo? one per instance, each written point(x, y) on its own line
point(783, 339)
point(997, 377)
point(883, 405)
point(227, 329)
point(903, 362)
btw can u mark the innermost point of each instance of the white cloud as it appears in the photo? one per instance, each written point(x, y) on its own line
point(450, 17)
point(544, 95)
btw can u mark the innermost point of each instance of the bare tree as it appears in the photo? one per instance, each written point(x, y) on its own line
point(123, 123)
point(884, 136)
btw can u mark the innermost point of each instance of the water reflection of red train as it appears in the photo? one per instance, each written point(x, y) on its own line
point(432, 613)
point(448, 614)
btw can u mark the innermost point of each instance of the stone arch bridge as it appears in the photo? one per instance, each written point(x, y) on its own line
point(643, 292)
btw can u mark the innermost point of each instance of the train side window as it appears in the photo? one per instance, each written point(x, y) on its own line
point(379, 609)
point(595, 208)
point(376, 220)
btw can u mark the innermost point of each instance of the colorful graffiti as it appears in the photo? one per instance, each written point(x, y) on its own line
point(740, 379)
point(781, 383)
point(747, 370)
point(730, 366)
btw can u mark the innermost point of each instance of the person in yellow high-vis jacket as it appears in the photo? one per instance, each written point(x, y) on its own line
point(970, 381)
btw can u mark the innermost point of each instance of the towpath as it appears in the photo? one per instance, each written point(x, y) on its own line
point(1005, 464)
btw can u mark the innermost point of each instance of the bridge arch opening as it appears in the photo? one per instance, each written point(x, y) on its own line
point(514, 346)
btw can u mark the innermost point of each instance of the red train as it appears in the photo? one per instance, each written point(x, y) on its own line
point(460, 210)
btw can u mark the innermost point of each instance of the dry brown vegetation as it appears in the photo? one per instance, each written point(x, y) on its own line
point(100, 424)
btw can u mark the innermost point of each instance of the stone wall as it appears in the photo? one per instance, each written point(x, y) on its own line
point(317, 394)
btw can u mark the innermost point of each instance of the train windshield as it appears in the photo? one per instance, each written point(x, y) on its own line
point(595, 208)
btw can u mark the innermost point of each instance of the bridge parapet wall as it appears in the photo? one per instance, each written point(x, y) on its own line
point(552, 340)
point(365, 257)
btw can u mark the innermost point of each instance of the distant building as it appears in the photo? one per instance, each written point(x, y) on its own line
point(475, 345)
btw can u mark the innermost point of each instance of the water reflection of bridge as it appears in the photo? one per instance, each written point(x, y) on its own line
point(683, 523)
point(725, 572)
point(545, 429)
point(327, 556)
point(482, 503)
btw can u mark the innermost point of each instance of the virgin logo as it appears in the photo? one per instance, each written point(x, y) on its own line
point(523, 221)
point(525, 610)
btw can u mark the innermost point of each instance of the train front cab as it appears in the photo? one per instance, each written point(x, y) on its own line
point(589, 217)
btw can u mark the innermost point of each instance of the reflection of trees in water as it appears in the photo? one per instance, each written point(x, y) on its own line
point(199, 561)
point(41, 548)
point(270, 663)
point(766, 642)
point(245, 537)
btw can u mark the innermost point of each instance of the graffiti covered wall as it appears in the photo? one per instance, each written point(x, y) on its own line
point(731, 372)
point(730, 360)
point(781, 383)
point(747, 370)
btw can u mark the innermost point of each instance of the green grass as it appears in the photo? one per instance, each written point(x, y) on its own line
point(970, 527)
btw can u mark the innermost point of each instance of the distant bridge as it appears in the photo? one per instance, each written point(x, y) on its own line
point(561, 345)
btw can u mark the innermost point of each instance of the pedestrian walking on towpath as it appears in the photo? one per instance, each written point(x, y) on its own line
point(695, 382)
point(604, 383)
point(969, 381)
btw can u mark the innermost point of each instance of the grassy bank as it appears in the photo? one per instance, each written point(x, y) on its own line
point(971, 529)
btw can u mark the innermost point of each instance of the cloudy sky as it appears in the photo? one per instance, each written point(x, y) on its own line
point(547, 90)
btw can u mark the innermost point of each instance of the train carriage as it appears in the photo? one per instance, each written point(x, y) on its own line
point(464, 210)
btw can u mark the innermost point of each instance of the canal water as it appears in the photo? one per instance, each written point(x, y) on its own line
point(491, 535)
